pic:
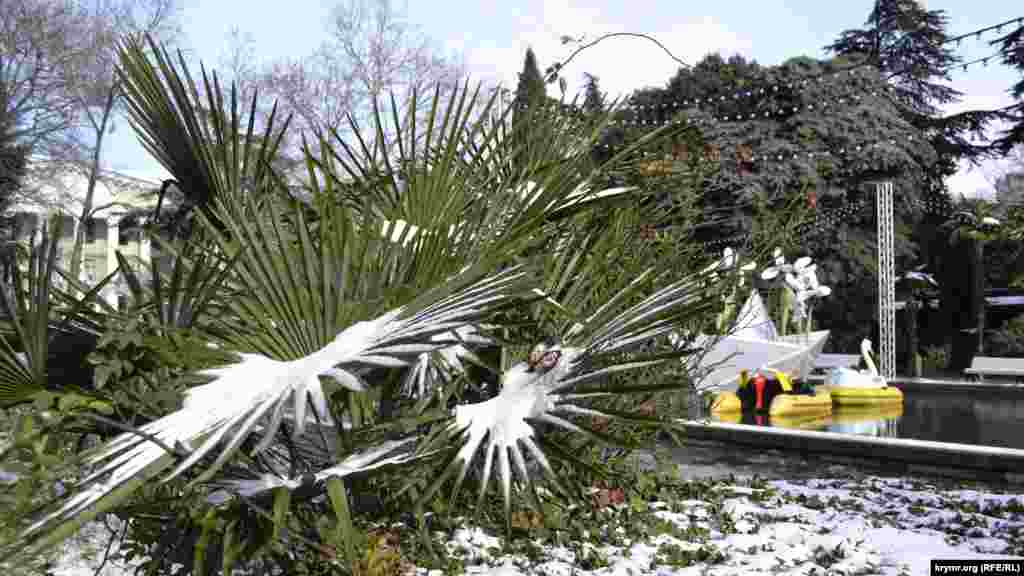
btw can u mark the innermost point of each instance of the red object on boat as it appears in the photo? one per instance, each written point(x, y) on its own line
point(759, 385)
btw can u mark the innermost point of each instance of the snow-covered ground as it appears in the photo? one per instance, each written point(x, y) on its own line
point(841, 521)
point(871, 525)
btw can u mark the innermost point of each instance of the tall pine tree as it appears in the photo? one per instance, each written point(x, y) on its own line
point(531, 90)
point(530, 98)
point(593, 98)
point(908, 45)
point(1011, 47)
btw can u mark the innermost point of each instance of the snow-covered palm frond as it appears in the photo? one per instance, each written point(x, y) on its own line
point(552, 386)
point(217, 417)
point(433, 369)
point(387, 454)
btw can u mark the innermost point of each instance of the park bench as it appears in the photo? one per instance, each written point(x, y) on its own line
point(983, 366)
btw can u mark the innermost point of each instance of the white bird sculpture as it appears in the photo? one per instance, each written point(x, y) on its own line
point(849, 378)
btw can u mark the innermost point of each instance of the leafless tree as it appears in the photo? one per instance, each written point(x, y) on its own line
point(372, 51)
point(37, 108)
point(94, 83)
point(60, 95)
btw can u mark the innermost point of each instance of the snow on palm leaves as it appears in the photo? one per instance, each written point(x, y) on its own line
point(225, 412)
point(548, 386)
point(545, 388)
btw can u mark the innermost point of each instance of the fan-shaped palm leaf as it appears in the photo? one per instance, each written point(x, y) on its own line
point(203, 142)
point(553, 387)
point(224, 412)
point(34, 309)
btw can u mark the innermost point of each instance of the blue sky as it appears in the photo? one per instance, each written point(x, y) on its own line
point(493, 36)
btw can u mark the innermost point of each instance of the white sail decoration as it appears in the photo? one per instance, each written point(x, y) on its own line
point(722, 364)
point(753, 320)
point(755, 345)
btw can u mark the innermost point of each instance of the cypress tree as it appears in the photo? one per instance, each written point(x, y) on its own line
point(593, 98)
point(531, 94)
point(531, 90)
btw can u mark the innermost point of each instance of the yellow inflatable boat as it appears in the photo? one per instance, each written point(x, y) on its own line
point(854, 414)
point(802, 421)
point(777, 397)
point(865, 397)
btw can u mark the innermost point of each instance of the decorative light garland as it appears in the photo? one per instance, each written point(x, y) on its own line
point(766, 90)
point(662, 108)
point(750, 157)
point(823, 221)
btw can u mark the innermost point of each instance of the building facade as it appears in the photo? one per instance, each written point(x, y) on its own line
point(104, 236)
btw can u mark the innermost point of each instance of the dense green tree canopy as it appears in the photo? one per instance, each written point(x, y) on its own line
point(807, 131)
point(910, 47)
point(1012, 48)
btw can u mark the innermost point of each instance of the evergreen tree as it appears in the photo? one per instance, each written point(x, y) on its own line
point(777, 156)
point(531, 90)
point(1011, 47)
point(908, 45)
point(593, 98)
point(13, 163)
point(530, 98)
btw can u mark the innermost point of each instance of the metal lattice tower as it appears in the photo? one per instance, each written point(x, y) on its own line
point(886, 282)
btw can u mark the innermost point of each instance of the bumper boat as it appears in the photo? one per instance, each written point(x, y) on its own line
point(862, 389)
point(772, 392)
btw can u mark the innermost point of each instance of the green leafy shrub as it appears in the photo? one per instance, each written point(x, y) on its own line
point(1008, 341)
point(934, 360)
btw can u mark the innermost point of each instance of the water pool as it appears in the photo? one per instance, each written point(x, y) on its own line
point(982, 416)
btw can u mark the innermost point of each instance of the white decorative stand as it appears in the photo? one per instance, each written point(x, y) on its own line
point(886, 282)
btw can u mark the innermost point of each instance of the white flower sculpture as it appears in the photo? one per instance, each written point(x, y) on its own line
point(727, 262)
point(780, 266)
point(806, 286)
point(800, 279)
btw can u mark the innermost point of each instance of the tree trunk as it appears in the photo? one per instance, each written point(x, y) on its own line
point(94, 170)
point(979, 294)
point(962, 302)
point(912, 365)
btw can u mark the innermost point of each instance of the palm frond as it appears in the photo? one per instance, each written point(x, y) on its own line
point(224, 412)
point(200, 141)
point(35, 310)
point(549, 386)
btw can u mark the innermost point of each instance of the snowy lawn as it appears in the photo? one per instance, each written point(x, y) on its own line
point(869, 525)
point(849, 523)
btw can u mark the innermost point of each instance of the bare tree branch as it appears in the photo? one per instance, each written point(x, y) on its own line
point(371, 52)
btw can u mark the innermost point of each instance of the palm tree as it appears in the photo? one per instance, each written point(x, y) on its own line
point(326, 310)
point(977, 225)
